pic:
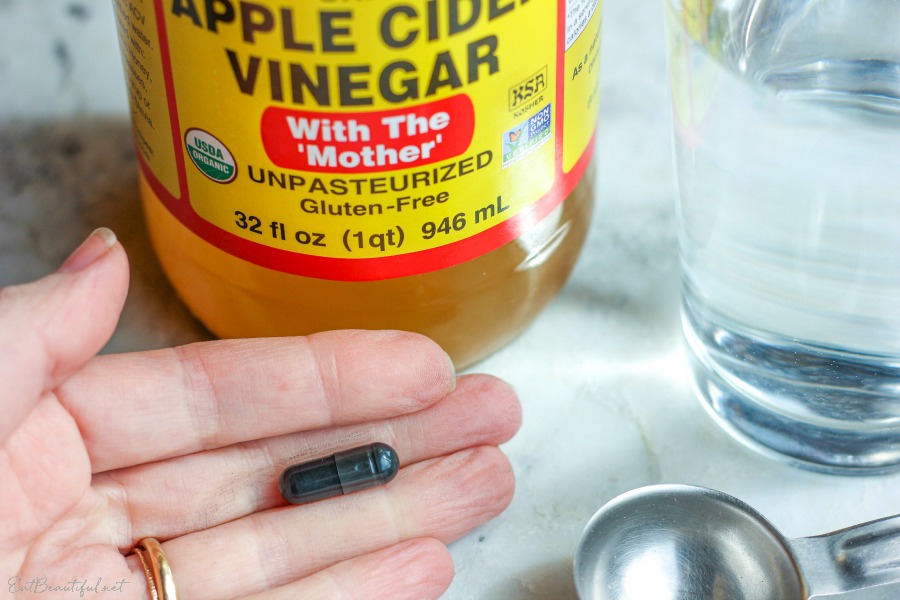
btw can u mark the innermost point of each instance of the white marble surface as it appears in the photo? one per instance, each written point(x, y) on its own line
point(608, 404)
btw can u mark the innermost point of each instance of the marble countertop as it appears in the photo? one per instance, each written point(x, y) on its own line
point(608, 402)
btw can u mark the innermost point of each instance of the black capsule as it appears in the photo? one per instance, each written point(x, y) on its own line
point(342, 473)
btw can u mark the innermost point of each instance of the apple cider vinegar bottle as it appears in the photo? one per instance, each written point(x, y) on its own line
point(308, 165)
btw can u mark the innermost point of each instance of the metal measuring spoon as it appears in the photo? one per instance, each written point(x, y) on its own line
point(681, 542)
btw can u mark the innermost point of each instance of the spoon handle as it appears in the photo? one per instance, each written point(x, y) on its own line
point(851, 559)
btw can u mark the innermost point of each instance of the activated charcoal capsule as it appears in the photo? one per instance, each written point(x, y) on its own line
point(339, 474)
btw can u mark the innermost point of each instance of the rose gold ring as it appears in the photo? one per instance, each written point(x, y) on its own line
point(159, 575)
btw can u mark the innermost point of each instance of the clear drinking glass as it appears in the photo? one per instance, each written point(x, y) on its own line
point(787, 144)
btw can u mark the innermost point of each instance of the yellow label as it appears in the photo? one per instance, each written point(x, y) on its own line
point(582, 78)
point(141, 55)
point(365, 139)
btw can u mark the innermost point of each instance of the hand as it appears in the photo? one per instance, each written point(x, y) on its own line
point(186, 445)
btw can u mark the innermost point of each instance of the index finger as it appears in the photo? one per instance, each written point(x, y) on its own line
point(141, 407)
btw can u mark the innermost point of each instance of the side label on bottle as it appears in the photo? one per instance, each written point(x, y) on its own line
point(361, 140)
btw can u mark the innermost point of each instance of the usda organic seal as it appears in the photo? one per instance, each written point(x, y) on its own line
point(210, 155)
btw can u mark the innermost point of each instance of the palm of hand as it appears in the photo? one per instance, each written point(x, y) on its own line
point(185, 445)
point(55, 518)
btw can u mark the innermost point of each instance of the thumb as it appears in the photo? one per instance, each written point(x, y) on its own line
point(52, 327)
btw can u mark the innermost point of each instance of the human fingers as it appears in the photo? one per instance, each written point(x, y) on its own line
point(415, 570)
point(442, 498)
point(141, 407)
point(51, 327)
point(167, 499)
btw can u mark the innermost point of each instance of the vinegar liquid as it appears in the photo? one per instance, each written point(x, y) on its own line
point(471, 309)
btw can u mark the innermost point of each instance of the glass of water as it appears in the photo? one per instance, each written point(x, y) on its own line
point(787, 144)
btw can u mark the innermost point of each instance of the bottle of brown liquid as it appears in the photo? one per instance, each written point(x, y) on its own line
point(421, 165)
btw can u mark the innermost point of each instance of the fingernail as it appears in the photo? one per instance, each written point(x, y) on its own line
point(453, 372)
point(96, 245)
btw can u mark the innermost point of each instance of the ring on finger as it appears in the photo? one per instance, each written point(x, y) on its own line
point(159, 575)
